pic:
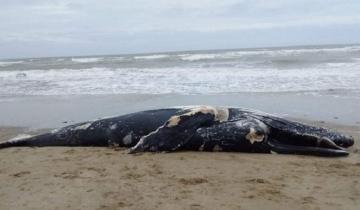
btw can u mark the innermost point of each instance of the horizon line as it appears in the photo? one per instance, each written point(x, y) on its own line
point(184, 51)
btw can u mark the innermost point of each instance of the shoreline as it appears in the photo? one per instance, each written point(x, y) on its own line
point(57, 111)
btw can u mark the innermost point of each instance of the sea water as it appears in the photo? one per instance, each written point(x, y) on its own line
point(333, 70)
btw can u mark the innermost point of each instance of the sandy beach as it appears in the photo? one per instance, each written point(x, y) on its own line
point(75, 64)
point(104, 178)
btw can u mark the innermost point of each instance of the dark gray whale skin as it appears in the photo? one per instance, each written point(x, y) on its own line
point(198, 128)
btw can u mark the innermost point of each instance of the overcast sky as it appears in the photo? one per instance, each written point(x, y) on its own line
point(34, 28)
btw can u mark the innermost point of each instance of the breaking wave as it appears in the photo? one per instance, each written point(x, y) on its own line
point(86, 60)
point(176, 80)
point(206, 72)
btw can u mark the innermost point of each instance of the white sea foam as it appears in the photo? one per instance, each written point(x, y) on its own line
point(267, 52)
point(151, 57)
point(86, 60)
point(196, 57)
point(314, 50)
point(9, 63)
point(340, 64)
point(177, 80)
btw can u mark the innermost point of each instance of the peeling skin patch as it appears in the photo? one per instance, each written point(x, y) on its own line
point(127, 140)
point(55, 130)
point(253, 137)
point(253, 122)
point(262, 126)
point(220, 114)
point(83, 126)
point(113, 144)
point(142, 140)
point(217, 148)
point(113, 127)
point(201, 148)
point(173, 121)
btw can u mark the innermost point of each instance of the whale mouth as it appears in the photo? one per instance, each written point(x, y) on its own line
point(326, 148)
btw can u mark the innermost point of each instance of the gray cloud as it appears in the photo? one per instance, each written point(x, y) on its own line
point(76, 27)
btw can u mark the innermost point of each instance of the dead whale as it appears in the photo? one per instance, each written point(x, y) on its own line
point(197, 128)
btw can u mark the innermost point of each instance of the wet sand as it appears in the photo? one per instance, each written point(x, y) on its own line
point(56, 111)
point(104, 178)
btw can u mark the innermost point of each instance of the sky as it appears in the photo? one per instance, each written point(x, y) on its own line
point(46, 28)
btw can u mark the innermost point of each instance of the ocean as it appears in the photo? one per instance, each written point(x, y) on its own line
point(331, 70)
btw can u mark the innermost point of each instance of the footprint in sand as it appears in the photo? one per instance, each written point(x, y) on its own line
point(195, 206)
point(133, 175)
point(83, 173)
point(308, 199)
point(21, 174)
point(258, 180)
point(192, 181)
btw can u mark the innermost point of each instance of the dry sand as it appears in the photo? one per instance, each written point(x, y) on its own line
point(103, 178)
